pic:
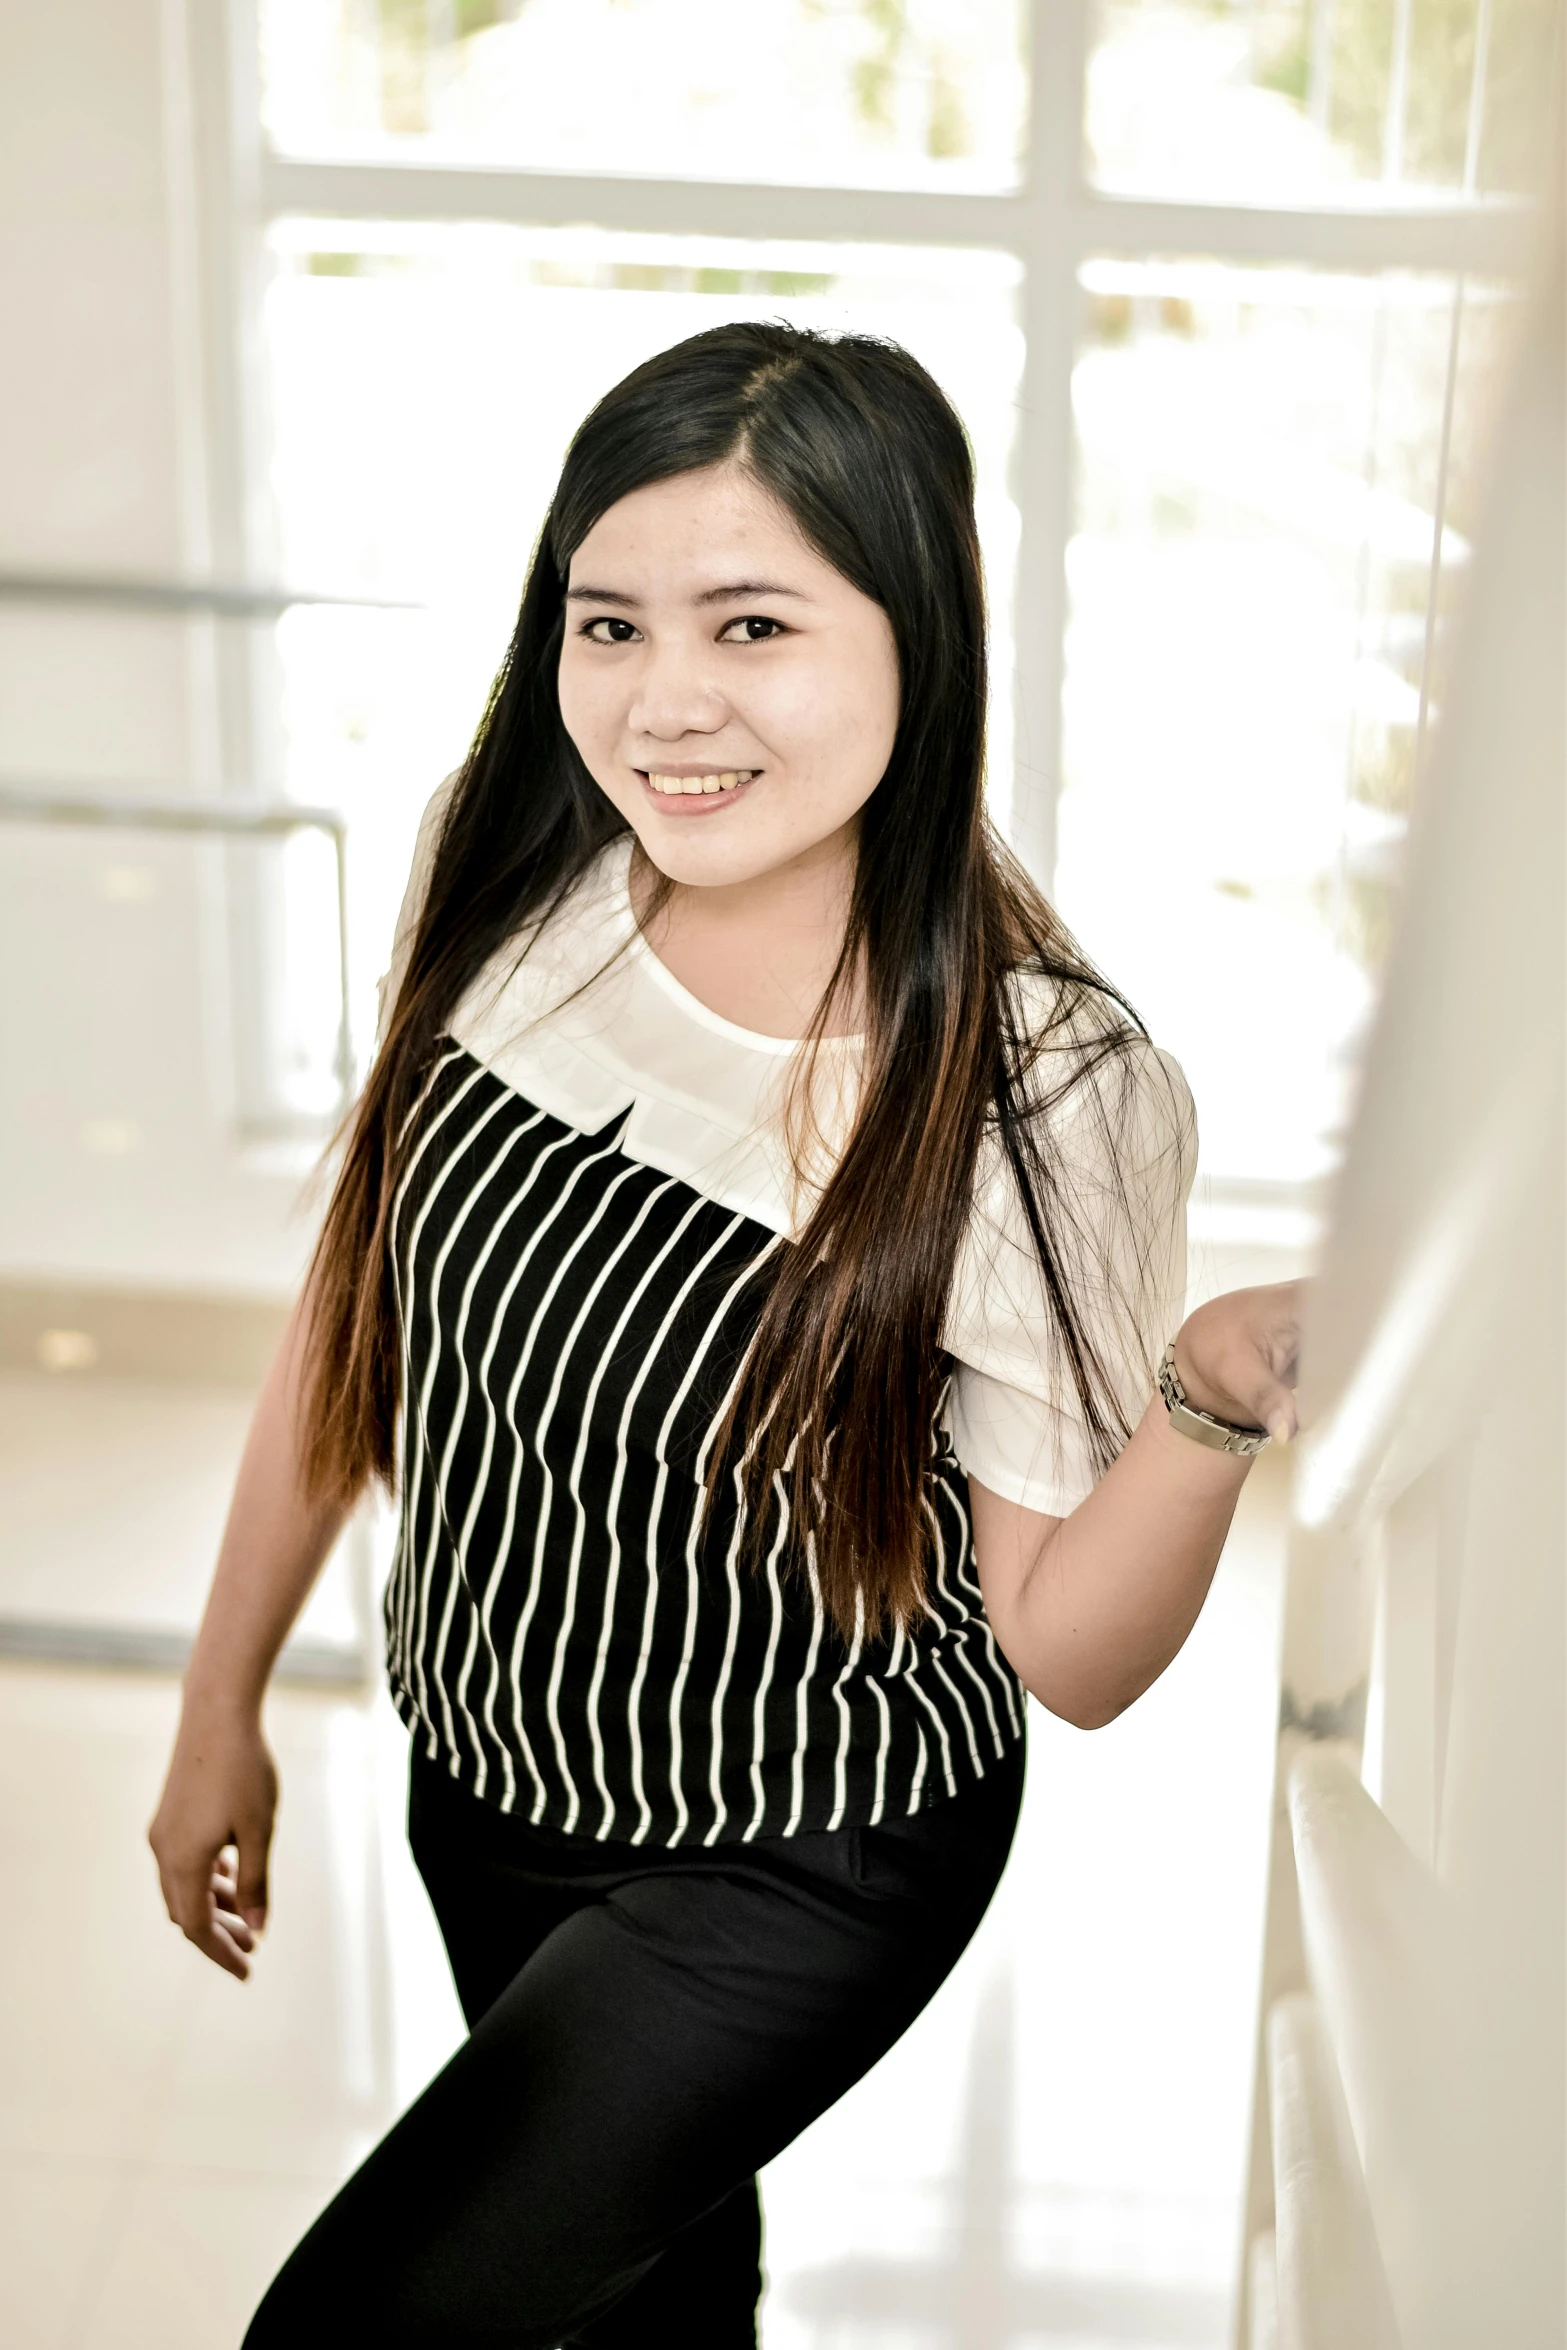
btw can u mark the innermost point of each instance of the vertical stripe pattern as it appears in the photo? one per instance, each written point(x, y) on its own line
point(564, 1628)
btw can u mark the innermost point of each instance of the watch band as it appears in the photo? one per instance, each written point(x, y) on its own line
point(1202, 1427)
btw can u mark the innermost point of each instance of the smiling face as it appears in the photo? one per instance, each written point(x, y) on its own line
point(729, 690)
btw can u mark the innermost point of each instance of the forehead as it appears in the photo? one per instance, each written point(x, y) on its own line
point(695, 527)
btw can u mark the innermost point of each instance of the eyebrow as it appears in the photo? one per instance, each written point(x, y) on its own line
point(748, 587)
point(729, 593)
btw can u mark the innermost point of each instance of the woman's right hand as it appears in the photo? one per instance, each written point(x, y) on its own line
point(214, 1824)
point(213, 1830)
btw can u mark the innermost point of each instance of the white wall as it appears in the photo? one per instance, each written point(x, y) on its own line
point(122, 1161)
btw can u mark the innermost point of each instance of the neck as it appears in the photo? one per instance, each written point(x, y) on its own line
point(760, 952)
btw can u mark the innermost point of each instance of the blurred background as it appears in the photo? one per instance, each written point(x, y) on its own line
point(306, 297)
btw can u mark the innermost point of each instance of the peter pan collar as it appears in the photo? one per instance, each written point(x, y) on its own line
point(584, 1021)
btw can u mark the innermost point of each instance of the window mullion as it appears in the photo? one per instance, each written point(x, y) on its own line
point(1054, 201)
point(664, 207)
point(1488, 236)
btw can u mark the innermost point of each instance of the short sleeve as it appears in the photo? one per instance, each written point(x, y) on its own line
point(412, 906)
point(1120, 1152)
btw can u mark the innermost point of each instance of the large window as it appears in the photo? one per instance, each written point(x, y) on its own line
point(1221, 290)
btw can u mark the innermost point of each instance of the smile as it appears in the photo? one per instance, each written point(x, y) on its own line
point(724, 779)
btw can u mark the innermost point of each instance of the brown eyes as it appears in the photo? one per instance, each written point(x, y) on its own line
point(752, 629)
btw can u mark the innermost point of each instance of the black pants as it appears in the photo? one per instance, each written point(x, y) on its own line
point(647, 2028)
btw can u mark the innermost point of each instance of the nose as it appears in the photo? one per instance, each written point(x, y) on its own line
point(677, 694)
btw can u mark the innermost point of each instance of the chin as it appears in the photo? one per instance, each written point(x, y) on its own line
point(699, 864)
point(709, 852)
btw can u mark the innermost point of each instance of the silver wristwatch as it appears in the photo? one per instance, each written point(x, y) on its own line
point(1202, 1427)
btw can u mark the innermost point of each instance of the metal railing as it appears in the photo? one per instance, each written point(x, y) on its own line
point(121, 592)
point(42, 803)
point(143, 1648)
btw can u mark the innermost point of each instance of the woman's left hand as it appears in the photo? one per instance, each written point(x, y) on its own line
point(1238, 1357)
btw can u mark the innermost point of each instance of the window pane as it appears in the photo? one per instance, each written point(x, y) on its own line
point(1258, 454)
point(1286, 100)
point(425, 382)
point(873, 93)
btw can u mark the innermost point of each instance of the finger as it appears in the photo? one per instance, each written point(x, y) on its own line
point(220, 1933)
point(1275, 1410)
point(186, 1892)
point(250, 1875)
point(229, 1921)
point(215, 1935)
point(1281, 1349)
point(220, 1947)
point(193, 1890)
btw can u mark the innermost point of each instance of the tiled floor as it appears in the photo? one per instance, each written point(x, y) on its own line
point(1051, 2157)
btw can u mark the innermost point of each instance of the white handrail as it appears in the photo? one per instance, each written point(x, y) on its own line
point(1406, 1367)
point(1331, 2290)
point(1376, 1937)
point(1263, 2273)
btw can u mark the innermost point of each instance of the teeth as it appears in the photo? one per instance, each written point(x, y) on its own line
point(688, 784)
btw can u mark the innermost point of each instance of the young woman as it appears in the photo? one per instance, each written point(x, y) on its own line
point(750, 1257)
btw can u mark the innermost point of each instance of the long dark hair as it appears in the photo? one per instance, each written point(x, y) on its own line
point(946, 939)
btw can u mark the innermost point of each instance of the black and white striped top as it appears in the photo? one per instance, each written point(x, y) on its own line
point(597, 1191)
point(563, 1629)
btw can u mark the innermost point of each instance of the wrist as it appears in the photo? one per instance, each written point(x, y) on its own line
point(216, 1698)
point(1200, 1466)
point(1230, 1431)
point(1198, 1390)
point(1203, 1393)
